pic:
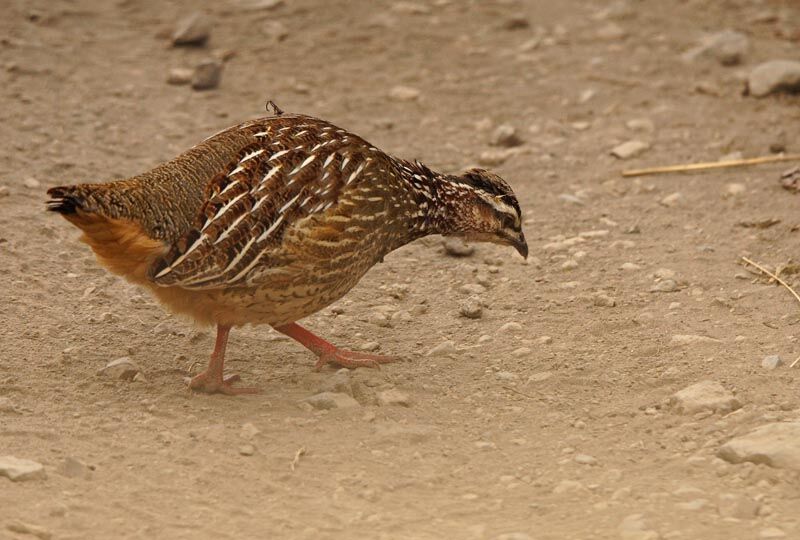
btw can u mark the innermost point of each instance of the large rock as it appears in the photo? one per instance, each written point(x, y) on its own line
point(19, 470)
point(704, 396)
point(774, 76)
point(776, 445)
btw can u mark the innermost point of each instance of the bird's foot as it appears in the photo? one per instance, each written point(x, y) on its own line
point(352, 359)
point(216, 384)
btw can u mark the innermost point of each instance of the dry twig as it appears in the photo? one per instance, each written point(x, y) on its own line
point(300, 452)
point(518, 392)
point(773, 276)
point(711, 165)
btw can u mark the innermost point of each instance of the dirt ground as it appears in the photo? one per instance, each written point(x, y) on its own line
point(554, 429)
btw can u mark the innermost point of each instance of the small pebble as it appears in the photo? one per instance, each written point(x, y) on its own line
point(31, 183)
point(194, 29)
point(404, 93)
point(247, 450)
point(772, 361)
point(457, 247)
point(180, 76)
point(331, 400)
point(122, 368)
point(207, 75)
point(511, 327)
point(641, 124)
point(442, 349)
point(671, 199)
point(585, 459)
point(569, 264)
point(630, 267)
point(4, 191)
point(544, 340)
point(629, 149)
point(520, 352)
point(665, 286)
point(370, 346)
point(275, 31)
point(603, 300)
point(505, 135)
point(471, 308)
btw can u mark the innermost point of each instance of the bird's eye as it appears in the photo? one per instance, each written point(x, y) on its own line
point(509, 222)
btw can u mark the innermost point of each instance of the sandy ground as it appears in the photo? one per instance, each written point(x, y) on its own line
point(493, 438)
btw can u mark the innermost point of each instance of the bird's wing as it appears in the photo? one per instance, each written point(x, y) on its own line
point(291, 171)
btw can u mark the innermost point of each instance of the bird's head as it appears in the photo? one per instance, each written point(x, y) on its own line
point(488, 210)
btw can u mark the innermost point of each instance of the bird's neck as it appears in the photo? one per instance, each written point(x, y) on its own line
point(440, 202)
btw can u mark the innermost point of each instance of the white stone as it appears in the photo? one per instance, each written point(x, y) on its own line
point(121, 368)
point(404, 93)
point(772, 361)
point(671, 200)
point(629, 149)
point(18, 470)
point(442, 349)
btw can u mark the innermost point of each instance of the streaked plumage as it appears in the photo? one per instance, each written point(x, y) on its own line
point(270, 221)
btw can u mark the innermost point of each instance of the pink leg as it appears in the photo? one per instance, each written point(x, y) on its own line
point(211, 380)
point(329, 353)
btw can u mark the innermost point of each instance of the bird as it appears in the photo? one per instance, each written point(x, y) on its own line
point(272, 220)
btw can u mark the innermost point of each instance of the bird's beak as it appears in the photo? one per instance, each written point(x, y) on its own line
point(521, 245)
